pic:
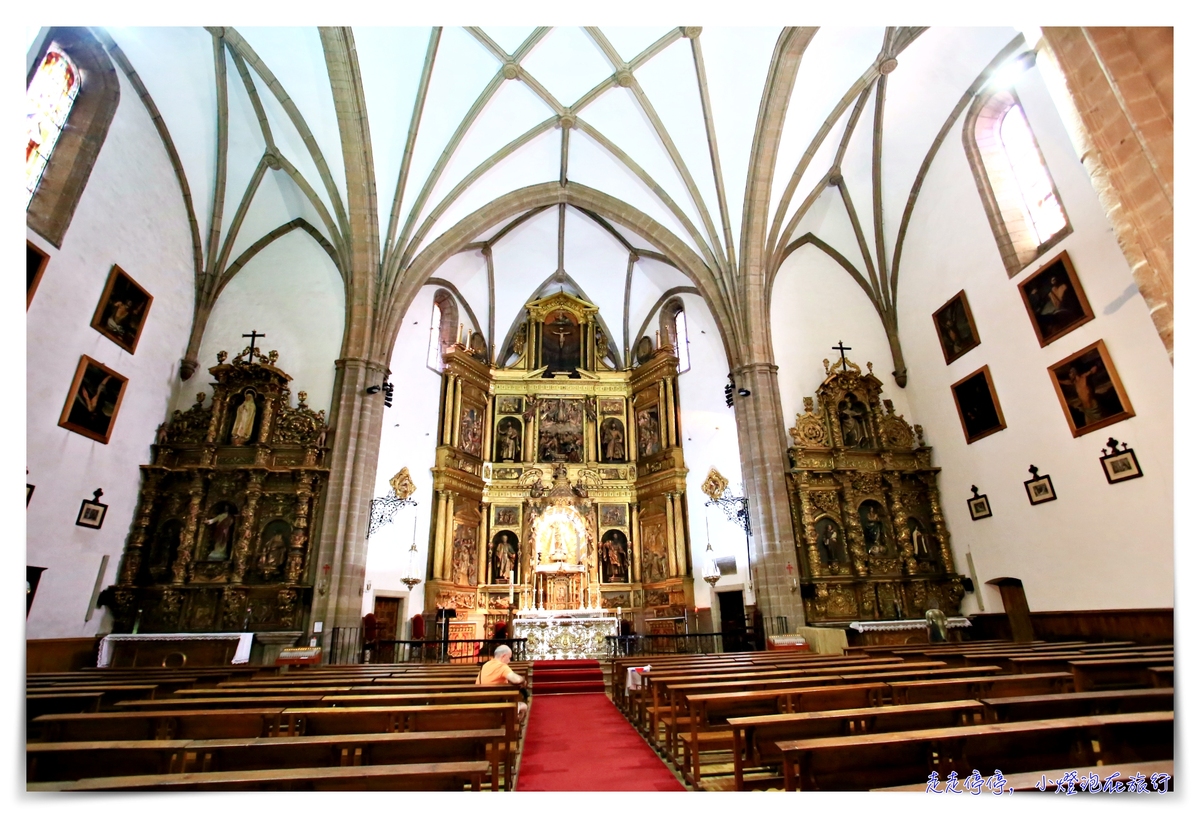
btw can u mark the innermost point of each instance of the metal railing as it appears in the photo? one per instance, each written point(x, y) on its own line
point(667, 643)
point(449, 651)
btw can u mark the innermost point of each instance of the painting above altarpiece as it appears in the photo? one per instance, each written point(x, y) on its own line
point(871, 539)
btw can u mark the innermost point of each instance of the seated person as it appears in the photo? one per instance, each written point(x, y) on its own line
point(497, 672)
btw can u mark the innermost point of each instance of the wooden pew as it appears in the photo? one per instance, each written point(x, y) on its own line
point(1090, 703)
point(1162, 676)
point(449, 776)
point(73, 760)
point(706, 712)
point(977, 687)
point(755, 738)
point(159, 724)
point(39, 704)
point(890, 759)
point(1107, 674)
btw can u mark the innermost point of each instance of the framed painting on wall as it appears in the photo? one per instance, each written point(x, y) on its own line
point(1055, 300)
point(978, 407)
point(94, 400)
point(1089, 390)
point(36, 260)
point(121, 314)
point(956, 327)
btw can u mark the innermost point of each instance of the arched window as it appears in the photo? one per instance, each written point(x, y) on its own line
point(442, 326)
point(673, 326)
point(48, 101)
point(1022, 204)
point(73, 92)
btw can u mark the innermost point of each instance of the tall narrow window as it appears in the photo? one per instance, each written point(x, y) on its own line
point(49, 99)
point(673, 326)
point(442, 325)
point(1037, 191)
point(1022, 205)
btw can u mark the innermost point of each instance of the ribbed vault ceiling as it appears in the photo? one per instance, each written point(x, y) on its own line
point(661, 119)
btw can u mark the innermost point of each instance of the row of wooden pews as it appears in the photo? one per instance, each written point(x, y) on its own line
point(890, 716)
point(357, 727)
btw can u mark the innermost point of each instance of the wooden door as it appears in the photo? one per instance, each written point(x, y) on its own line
point(387, 616)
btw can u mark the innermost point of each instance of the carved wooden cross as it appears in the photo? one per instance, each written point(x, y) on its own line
point(843, 350)
point(254, 334)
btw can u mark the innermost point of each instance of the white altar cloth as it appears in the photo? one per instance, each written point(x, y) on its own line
point(565, 634)
point(240, 657)
point(906, 624)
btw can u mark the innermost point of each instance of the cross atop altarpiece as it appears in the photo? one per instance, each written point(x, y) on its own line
point(843, 349)
point(254, 334)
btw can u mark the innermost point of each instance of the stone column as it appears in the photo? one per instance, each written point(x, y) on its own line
point(763, 450)
point(341, 538)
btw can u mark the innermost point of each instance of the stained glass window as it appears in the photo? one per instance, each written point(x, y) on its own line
point(49, 98)
point(434, 358)
point(1042, 209)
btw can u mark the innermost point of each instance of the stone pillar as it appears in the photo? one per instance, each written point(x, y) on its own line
point(763, 449)
point(341, 539)
point(1114, 88)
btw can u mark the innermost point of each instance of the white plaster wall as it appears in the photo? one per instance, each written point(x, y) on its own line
point(709, 441)
point(131, 214)
point(291, 292)
point(1098, 545)
point(408, 439)
point(814, 305)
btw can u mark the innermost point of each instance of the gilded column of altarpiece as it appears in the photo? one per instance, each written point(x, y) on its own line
point(555, 414)
point(221, 536)
point(870, 535)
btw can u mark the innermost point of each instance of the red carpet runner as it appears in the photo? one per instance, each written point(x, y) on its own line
point(580, 743)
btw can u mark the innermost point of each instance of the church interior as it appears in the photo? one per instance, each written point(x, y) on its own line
point(818, 368)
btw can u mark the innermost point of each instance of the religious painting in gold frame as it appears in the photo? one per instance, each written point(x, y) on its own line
point(121, 313)
point(1089, 390)
point(36, 260)
point(94, 400)
point(956, 327)
point(978, 406)
point(1055, 300)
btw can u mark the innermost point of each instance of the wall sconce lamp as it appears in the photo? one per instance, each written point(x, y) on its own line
point(323, 584)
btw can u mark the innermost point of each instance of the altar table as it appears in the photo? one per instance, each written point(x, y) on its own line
point(110, 644)
point(564, 637)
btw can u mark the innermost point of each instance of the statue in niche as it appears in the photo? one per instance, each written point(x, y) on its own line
point(654, 552)
point(920, 540)
point(273, 548)
point(614, 550)
point(220, 532)
point(852, 416)
point(830, 545)
point(243, 421)
point(871, 516)
point(504, 556)
point(612, 441)
point(560, 343)
point(508, 440)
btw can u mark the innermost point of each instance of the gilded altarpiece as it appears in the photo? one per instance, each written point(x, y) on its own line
point(871, 538)
point(559, 476)
point(221, 537)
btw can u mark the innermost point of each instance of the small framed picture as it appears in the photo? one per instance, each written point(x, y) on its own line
point(956, 327)
point(1089, 390)
point(121, 314)
point(978, 407)
point(979, 505)
point(1055, 300)
point(94, 400)
point(1039, 488)
point(1119, 464)
point(91, 512)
